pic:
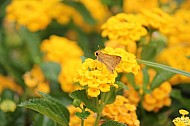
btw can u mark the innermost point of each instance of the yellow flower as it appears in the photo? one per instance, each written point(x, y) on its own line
point(93, 92)
point(157, 19)
point(180, 31)
point(183, 112)
point(168, 57)
point(60, 49)
point(75, 121)
point(9, 83)
point(98, 11)
point(154, 101)
point(8, 106)
point(131, 6)
point(124, 28)
point(67, 53)
point(122, 111)
point(182, 121)
point(32, 14)
point(95, 76)
point(137, 5)
point(36, 81)
point(42, 87)
point(128, 61)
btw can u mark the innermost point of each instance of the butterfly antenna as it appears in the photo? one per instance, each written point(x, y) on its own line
point(98, 47)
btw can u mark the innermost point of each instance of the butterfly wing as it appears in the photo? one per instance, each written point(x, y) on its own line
point(111, 61)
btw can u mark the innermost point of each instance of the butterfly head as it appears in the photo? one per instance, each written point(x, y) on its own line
point(97, 53)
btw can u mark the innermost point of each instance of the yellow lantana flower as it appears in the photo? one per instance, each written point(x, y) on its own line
point(128, 62)
point(124, 28)
point(182, 121)
point(8, 106)
point(168, 57)
point(122, 111)
point(67, 53)
point(33, 14)
point(154, 101)
point(8, 83)
point(95, 77)
point(36, 81)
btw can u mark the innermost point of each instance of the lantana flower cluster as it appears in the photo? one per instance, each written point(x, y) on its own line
point(138, 5)
point(66, 53)
point(33, 14)
point(125, 28)
point(36, 80)
point(95, 77)
point(156, 18)
point(180, 30)
point(9, 83)
point(38, 14)
point(128, 62)
point(154, 101)
point(183, 120)
point(122, 111)
point(8, 105)
point(168, 57)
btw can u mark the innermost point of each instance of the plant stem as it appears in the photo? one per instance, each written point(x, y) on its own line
point(82, 122)
point(100, 108)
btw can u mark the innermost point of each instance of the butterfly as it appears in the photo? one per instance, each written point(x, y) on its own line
point(111, 61)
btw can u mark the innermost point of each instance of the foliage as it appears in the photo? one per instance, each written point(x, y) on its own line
point(49, 75)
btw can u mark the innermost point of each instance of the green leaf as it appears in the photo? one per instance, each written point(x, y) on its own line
point(32, 41)
point(82, 10)
point(145, 80)
point(83, 115)
point(131, 80)
point(164, 67)
point(41, 120)
point(148, 52)
point(89, 102)
point(110, 96)
point(121, 85)
point(113, 123)
point(177, 95)
point(48, 97)
point(51, 70)
point(49, 107)
point(160, 78)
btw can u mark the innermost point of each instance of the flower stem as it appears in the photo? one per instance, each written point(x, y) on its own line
point(82, 122)
point(100, 108)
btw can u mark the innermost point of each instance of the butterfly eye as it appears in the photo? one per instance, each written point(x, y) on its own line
point(96, 53)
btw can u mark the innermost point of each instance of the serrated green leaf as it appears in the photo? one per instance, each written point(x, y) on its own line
point(89, 102)
point(82, 10)
point(53, 110)
point(53, 100)
point(51, 70)
point(177, 95)
point(82, 115)
point(160, 78)
point(164, 67)
point(113, 123)
point(121, 85)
